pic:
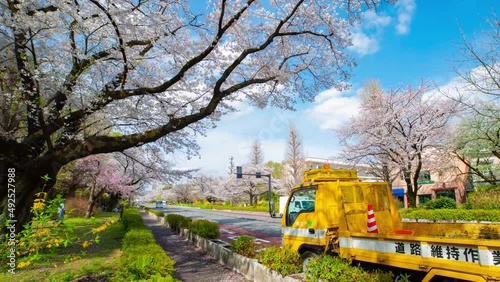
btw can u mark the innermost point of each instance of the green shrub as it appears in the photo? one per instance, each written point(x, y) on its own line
point(329, 268)
point(177, 221)
point(441, 203)
point(185, 222)
point(143, 262)
point(451, 214)
point(400, 204)
point(487, 200)
point(159, 278)
point(158, 213)
point(205, 229)
point(136, 237)
point(245, 246)
point(283, 260)
point(142, 258)
point(488, 188)
point(173, 219)
point(132, 219)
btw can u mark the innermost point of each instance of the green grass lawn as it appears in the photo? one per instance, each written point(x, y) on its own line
point(73, 261)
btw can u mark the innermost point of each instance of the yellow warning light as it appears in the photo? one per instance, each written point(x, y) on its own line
point(326, 166)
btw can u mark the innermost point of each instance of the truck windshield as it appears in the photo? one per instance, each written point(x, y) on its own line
point(302, 200)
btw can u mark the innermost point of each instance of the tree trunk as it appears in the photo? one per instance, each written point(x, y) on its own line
point(410, 191)
point(90, 206)
point(412, 195)
point(93, 199)
point(27, 183)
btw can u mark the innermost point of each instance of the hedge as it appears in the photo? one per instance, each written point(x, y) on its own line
point(177, 221)
point(205, 229)
point(451, 214)
point(157, 213)
point(142, 258)
point(132, 220)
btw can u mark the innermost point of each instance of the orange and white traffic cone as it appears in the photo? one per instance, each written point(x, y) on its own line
point(372, 223)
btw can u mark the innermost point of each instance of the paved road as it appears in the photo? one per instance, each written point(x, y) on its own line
point(267, 230)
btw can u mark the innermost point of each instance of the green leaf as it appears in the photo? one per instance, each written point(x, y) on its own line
point(46, 177)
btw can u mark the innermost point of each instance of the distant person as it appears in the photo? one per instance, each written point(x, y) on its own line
point(60, 212)
point(120, 209)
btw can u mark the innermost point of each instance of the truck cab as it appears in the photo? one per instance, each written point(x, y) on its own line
point(335, 212)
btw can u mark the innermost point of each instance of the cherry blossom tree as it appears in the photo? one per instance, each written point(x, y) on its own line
point(101, 175)
point(91, 77)
point(210, 187)
point(403, 127)
point(381, 166)
point(183, 193)
point(250, 185)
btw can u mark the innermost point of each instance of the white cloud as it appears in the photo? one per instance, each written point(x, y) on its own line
point(363, 45)
point(373, 20)
point(459, 89)
point(405, 9)
point(219, 146)
point(333, 108)
point(366, 36)
point(242, 110)
point(234, 136)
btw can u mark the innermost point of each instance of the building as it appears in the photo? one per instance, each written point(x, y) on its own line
point(445, 182)
point(450, 182)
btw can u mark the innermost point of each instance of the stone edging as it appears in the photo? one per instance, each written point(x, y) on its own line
point(250, 268)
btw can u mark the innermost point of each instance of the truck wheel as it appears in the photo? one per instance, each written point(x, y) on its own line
point(306, 257)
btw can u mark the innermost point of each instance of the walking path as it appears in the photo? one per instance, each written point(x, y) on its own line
point(192, 263)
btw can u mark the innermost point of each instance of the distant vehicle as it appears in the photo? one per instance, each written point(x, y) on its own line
point(160, 204)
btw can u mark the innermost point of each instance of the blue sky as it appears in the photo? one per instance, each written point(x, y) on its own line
point(414, 40)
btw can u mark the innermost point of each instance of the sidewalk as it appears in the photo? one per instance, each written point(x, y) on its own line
point(192, 263)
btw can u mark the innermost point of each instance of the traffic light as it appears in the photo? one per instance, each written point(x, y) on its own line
point(258, 175)
point(239, 172)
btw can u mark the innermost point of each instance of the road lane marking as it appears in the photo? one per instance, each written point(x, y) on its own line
point(226, 231)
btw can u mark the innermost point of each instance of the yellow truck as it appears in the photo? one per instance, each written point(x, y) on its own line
point(360, 221)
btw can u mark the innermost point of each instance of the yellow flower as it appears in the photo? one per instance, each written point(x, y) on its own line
point(75, 258)
point(42, 232)
point(38, 206)
point(23, 264)
point(86, 244)
point(98, 229)
point(41, 194)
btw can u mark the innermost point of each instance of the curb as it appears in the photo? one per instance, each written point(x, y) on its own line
point(250, 268)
